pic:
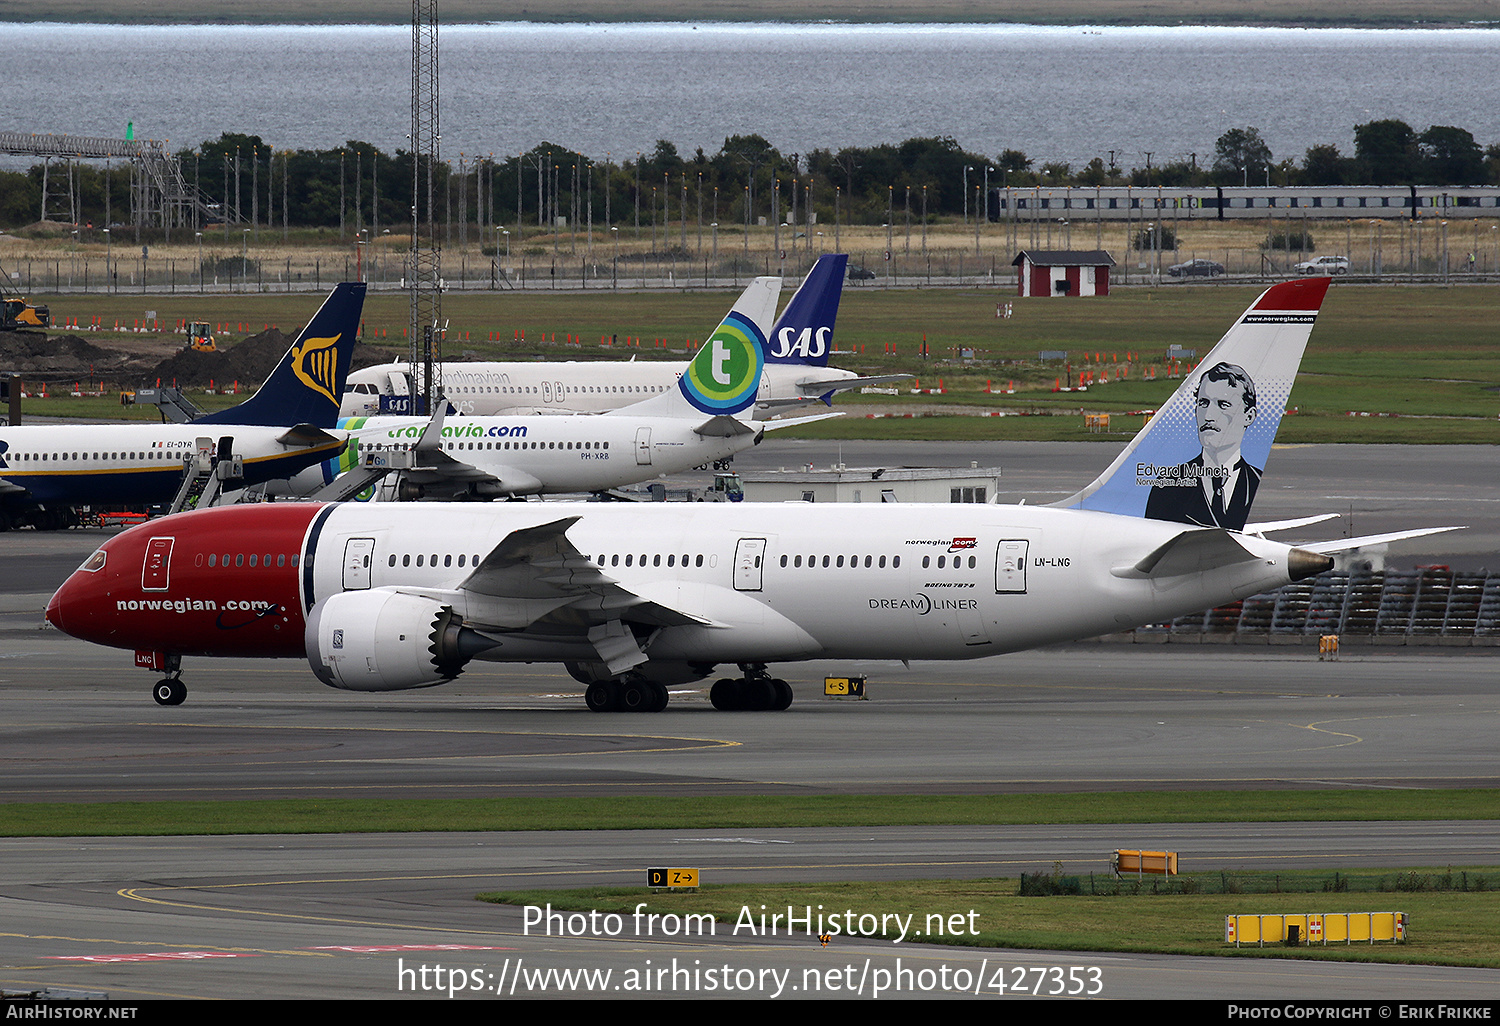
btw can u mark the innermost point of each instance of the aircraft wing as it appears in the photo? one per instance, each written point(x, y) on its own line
point(438, 469)
point(536, 573)
point(817, 388)
point(7, 488)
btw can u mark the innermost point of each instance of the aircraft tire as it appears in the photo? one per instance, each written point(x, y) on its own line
point(759, 694)
point(169, 692)
point(635, 696)
point(602, 696)
point(725, 694)
point(659, 697)
point(783, 695)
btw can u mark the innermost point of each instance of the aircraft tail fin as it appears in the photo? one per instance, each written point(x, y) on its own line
point(1199, 458)
point(804, 331)
point(724, 375)
point(306, 386)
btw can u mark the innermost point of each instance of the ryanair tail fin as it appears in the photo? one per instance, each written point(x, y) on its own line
point(306, 385)
point(724, 375)
point(804, 331)
point(1199, 459)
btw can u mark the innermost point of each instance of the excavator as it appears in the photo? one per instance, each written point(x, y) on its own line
point(17, 313)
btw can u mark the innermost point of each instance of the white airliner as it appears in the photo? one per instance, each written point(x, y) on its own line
point(47, 470)
point(488, 457)
point(633, 598)
point(796, 369)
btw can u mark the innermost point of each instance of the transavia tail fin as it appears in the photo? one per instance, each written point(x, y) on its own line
point(724, 375)
point(306, 385)
point(804, 331)
point(1199, 459)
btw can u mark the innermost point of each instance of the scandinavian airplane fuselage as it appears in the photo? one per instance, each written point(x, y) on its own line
point(769, 583)
point(488, 389)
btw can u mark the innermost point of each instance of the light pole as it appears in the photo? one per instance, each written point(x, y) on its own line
point(967, 169)
point(614, 270)
point(244, 259)
point(109, 251)
point(200, 260)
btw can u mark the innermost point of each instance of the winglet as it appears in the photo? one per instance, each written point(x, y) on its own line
point(1199, 459)
point(307, 384)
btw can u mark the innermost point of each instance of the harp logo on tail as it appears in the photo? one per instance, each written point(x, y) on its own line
point(315, 362)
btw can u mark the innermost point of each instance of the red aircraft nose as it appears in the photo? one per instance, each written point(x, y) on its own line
point(54, 608)
point(68, 609)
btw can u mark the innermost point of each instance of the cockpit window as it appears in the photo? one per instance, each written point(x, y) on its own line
point(95, 562)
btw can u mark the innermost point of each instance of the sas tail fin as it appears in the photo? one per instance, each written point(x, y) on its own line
point(804, 331)
point(307, 384)
point(1199, 459)
point(724, 375)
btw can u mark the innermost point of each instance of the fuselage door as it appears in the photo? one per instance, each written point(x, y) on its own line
point(546, 391)
point(1010, 567)
point(749, 554)
point(155, 571)
point(643, 447)
point(357, 555)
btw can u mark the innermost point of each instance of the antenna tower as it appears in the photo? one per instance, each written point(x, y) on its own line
point(424, 270)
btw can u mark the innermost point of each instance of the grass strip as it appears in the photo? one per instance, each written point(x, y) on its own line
point(614, 812)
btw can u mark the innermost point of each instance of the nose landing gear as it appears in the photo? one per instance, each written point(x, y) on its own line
point(170, 690)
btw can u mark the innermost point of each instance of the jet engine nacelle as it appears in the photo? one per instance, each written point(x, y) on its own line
point(384, 640)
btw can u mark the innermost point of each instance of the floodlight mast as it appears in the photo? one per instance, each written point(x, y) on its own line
point(424, 264)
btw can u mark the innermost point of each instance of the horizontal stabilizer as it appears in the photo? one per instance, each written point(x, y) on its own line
point(777, 425)
point(307, 436)
point(844, 384)
point(1190, 552)
point(1346, 544)
point(1287, 525)
point(723, 426)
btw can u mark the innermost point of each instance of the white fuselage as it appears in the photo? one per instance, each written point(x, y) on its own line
point(489, 389)
point(796, 581)
point(137, 464)
point(547, 455)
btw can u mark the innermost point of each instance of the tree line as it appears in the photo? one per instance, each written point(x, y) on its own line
point(358, 187)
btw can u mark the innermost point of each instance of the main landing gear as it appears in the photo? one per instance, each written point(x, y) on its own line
point(627, 694)
point(756, 691)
